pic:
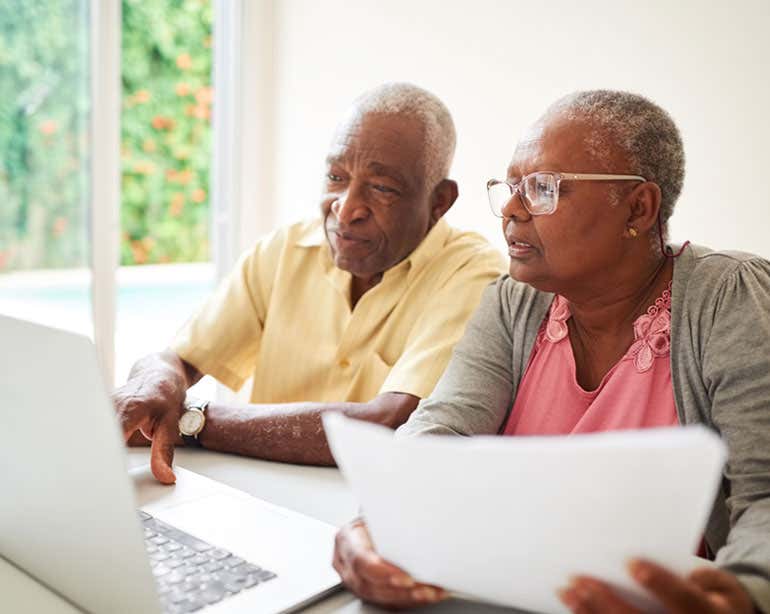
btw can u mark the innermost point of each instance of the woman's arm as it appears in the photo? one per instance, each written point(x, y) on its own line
point(476, 391)
point(736, 373)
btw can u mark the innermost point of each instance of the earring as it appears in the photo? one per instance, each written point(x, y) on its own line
point(633, 232)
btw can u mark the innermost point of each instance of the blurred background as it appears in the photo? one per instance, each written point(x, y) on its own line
point(163, 252)
point(222, 111)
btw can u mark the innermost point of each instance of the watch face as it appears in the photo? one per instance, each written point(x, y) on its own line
point(191, 422)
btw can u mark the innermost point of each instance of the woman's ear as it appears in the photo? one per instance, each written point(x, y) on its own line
point(443, 197)
point(644, 205)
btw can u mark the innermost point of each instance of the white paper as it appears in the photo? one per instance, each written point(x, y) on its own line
point(510, 519)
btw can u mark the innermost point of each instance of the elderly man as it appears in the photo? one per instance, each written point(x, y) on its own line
point(355, 312)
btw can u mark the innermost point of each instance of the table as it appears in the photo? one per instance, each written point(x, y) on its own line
point(320, 492)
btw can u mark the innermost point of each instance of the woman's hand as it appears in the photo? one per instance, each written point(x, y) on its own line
point(707, 590)
point(372, 578)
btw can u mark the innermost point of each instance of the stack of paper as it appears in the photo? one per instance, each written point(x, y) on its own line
point(510, 519)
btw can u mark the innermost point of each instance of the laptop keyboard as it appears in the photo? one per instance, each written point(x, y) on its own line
point(190, 573)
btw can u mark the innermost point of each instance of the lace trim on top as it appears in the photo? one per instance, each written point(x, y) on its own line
point(652, 330)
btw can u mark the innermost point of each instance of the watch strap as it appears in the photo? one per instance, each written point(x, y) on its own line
point(195, 403)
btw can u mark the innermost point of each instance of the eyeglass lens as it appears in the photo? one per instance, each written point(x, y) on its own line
point(539, 191)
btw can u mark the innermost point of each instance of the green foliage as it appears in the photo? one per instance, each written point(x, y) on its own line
point(166, 131)
point(165, 148)
point(43, 133)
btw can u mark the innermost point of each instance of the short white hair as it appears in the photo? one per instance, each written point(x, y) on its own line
point(408, 100)
point(641, 129)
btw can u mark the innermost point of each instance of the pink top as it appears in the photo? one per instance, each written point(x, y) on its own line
point(635, 393)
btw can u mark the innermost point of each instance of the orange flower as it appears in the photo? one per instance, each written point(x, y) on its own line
point(189, 110)
point(144, 168)
point(142, 96)
point(149, 145)
point(184, 61)
point(48, 127)
point(177, 204)
point(184, 177)
point(204, 95)
point(198, 195)
point(59, 226)
point(138, 252)
point(202, 112)
point(160, 122)
point(182, 89)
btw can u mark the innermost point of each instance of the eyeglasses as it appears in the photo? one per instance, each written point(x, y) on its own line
point(539, 191)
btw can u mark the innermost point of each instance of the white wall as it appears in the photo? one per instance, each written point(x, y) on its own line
point(498, 64)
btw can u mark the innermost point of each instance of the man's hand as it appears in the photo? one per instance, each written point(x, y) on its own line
point(151, 402)
point(372, 578)
point(707, 590)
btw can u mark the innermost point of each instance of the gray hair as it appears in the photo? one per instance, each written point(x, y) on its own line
point(641, 129)
point(412, 101)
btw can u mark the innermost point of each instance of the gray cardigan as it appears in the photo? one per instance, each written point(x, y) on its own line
point(720, 369)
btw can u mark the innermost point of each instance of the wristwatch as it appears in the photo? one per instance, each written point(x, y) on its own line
point(192, 421)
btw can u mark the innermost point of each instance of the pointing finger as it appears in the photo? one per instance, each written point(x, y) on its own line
point(162, 452)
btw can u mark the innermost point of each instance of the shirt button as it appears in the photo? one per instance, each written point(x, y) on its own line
point(344, 363)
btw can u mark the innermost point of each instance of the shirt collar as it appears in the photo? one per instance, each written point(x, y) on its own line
point(313, 236)
point(428, 247)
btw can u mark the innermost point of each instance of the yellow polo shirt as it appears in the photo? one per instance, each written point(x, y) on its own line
point(283, 317)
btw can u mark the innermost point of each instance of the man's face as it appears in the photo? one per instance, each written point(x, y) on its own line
point(376, 204)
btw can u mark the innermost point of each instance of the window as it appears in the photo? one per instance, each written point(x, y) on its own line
point(167, 99)
point(44, 162)
point(56, 226)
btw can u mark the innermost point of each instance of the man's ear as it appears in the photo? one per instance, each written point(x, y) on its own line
point(644, 205)
point(443, 197)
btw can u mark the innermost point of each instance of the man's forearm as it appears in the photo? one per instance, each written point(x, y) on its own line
point(292, 432)
point(166, 367)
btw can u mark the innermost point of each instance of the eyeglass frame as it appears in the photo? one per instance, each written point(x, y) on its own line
point(515, 189)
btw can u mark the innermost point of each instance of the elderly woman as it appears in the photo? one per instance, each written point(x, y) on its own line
point(601, 327)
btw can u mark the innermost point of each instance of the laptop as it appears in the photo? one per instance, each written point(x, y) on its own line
point(73, 518)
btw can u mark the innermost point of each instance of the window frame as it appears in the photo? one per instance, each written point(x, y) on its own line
point(104, 198)
point(242, 147)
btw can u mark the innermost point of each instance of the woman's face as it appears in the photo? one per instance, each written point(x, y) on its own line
point(582, 240)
